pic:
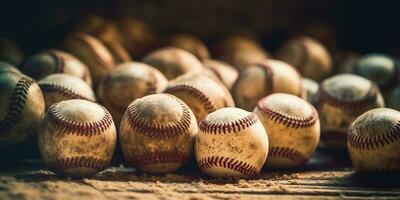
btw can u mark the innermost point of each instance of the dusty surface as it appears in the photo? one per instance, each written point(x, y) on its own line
point(322, 178)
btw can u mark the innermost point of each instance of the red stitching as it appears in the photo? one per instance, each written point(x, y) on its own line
point(288, 153)
point(373, 142)
point(269, 78)
point(360, 104)
point(161, 131)
point(17, 104)
point(159, 157)
point(61, 164)
point(67, 126)
point(65, 91)
point(228, 163)
point(193, 91)
point(59, 61)
point(285, 119)
point(210, 127)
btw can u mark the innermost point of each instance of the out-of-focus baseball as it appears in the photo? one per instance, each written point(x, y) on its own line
point(293, 129)
point(157, 133)
point(91, 52)
point(308, 55)
point(118, 52)
point(394, 99)
point(10, 53)
point(342, 98)
point(231, 142)
point(21, 108)
point(191, 44)
point(7, 67)
point(126, 83)
point(173, 62)
point(374, 141)
point(223, 71)
point(202, 94)
point(310, 91)
point(61, 87)
point(262, 79)
point(77, 138)
point(53, 61)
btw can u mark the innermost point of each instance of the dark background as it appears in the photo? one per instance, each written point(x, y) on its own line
point(364, 26)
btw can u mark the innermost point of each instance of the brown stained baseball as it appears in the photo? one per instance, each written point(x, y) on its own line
point(309, 56)
point(61, 87)
point(373, 141)
point(190, 43)
point(157, 133)
point(7, 67)
point(77, 138)
point(173, 62)
point(342, 98)
point(54, 61)
point(264, 78)
point(223, 71)
point(310, 91)
point(126, 83)
point(202, 94)
point(231, 143)
point(293, 129)
point(379, 68)
point(118, 52)
point(21, 108)
point(10, 53)
point(92, 52)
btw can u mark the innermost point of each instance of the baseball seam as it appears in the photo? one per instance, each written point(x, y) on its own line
point(59, 61)
point(159, 157)
point(17, 104)
point(353, 105)
point(269, 78)
point(195, 92)
point(67, 126)
point(287, 153)
point(228, 163)
point(61, 164)
point(63, 90)
point(161, 131)
point(210, 127)
point(373, 142)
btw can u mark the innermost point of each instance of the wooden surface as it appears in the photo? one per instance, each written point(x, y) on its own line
point(326, 176)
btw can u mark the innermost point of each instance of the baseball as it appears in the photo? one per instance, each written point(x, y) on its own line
point(157, 133)
point(310, 90)
point(262, 79)
point(60, 87)
point(52, 61)
point(118, 52)
point(126, 83)
point(231, 142)
point(293, 129)
point(10, 53)
point(394, 99)
point(21, 108)
point(202, 94)
point(309, 56)
point(7, 67)
point(342, 98)
point(191, 44)
point(373, 141)
point(173, 62)
point(91, 52)
point(77, 138)
point(223, 71)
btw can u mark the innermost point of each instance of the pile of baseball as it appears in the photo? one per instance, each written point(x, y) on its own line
point(236, 115)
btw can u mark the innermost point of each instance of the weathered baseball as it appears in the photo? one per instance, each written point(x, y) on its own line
point(53, 61)
point(157, 133)
point(91, 52)
point(173, 62)
point(262, 79)
point(126, 83)
point(223, 71)
point(21, 108)
point(7, 67)
point(308, 55)
point(379, 68)
point(191, 44)
point(310, 91)
point(293, 129)
point(61, 87)
point(374, 141)
point(118, 52)
point(342, 98)
point(231, 142)
point(77, 138)
point(10, 53)
point(202, 94)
